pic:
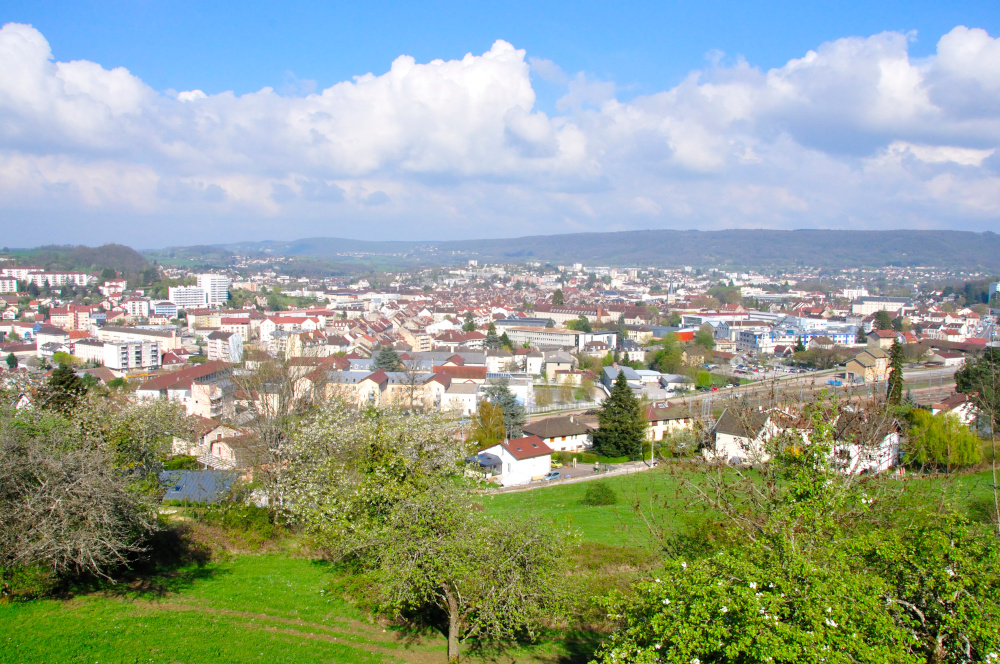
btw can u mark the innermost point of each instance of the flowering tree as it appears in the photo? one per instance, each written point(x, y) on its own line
point(383, 491)
point(816, 572)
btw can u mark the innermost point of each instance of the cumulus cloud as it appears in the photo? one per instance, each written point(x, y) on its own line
point(855, 133)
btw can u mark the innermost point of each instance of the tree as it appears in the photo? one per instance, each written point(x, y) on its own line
point(894, 390)
point(108, 274)
point(505, 342)
point(882, 320)
point(980, 379)
point(941, 441)
point(11, 361)
point(669, 358)
point(387, 359)
point(705, 337)
point(799, 536)
point(549, 323)
point(492, 340)
point(487, 426)
point(383, 492)
point(621, 423)
point(799, 346)
point(470, 323)
point(581, 324)
point(861, 337)
point(557, 298)
point(498, 393)
point(63, 390)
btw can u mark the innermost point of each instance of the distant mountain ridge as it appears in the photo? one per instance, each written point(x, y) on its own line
point(672, 248)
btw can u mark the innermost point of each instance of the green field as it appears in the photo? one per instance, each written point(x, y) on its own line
point(279, 608)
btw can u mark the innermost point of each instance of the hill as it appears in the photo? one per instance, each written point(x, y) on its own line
point(81, 258)
point(670, 248)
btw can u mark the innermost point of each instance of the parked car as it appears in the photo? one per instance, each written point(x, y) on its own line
point(551, 475)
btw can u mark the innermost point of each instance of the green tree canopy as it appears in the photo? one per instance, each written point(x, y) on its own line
point(941, 441)
point(668, 358)
point(515, 416)
point(11, 361)
point(558, 299)
point(492, 340)
point(470, 323)
point(980, 378)
point(387, 359)
point(894, 390)
point(621, 423)
point(882, 320)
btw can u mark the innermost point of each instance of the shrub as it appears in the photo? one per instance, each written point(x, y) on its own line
point(599, 493)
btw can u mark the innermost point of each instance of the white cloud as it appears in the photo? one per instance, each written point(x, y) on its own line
point(853, 133)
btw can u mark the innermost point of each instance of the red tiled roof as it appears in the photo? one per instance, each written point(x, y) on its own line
point(528, 447)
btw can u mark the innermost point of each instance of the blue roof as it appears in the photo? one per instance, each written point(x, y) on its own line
point(197, 486)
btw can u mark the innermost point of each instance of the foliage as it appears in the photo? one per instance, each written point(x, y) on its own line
point(515, 416)
point(558, 299)
point(581, 324)
point(861, 337)
point(599, 493)
point(492, 341)
point(668, 358)
point(622, 426)
point(440, 564)
point(799, 346)
point(182, 462)
point(488, 427)
point(505, 342)
point(941, 441)
point(894, 389)
point(882, 320)
point(63, 390)
point(67, 506)
point(387, 359)
point(11, 361)
point(980, 378)
point(705, 337)
point(469, 325)
point(812, 571)
point(380, 491)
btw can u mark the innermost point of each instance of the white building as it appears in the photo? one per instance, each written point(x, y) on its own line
point(187, 297)
point(8, 285)
point(125, 356)
point(522, 459)
point(216, 287)
point(225, 346)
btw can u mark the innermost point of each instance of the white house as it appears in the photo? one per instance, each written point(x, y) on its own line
point(741, 437)
point(522, 459)
point(563, 434)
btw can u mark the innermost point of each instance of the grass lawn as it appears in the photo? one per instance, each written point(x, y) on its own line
point(266, 608)
point(611, 525)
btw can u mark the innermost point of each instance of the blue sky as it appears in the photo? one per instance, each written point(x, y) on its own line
point(588, 116)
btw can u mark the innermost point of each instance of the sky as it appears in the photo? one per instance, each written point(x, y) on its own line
point(157, 123)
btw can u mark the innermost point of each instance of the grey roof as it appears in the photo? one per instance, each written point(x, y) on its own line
point(138, 330)
point(611, 373)
point(747, 424)
point(199, 486)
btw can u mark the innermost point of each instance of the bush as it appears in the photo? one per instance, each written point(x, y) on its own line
point(599, 493)
point(566, 458)
point(249, 525)
point(182, 463)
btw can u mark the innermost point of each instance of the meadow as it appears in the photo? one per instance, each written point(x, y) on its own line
point(280, 606)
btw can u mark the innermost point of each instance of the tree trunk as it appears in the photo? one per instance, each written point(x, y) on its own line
point(452, 625)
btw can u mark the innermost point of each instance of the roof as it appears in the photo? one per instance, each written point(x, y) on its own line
point(747, 424)
point(200, 486)
point(528, 447)
point(167, 381)
point(660, 413)
point(554, 427)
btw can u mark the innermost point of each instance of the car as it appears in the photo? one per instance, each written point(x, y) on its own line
point(551, 475)
point(556, 464)
point(715, 388)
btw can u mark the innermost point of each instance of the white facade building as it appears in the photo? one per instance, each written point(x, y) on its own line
point(187, 297)
point(216, 287)
point(127, 356)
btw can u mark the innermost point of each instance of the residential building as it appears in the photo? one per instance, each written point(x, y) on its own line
point(130, 356)
point(561, 433)
point(225, 347)
point(522, 459)
point(187, 297)
point(215, 286)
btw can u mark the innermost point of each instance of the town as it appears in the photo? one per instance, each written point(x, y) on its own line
point(691, 342)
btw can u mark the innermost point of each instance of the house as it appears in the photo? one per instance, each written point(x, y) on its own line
point(203, 432)
point(739, 437)
point(882, 338)
point(241, 453)
point(957, 404)
point(558, 360)
point(666, 420)
point(610, 374)
point(865, 444)
point(522, 459)
point(205, 389)
point(868, 366)
point(563, 434)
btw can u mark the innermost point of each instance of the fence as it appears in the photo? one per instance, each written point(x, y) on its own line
point(575, 405)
